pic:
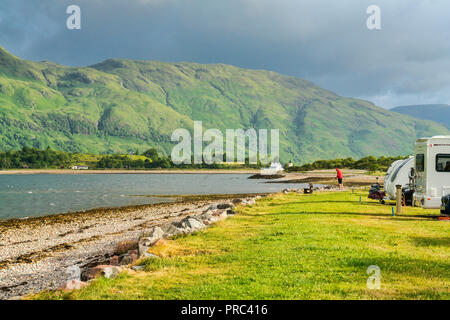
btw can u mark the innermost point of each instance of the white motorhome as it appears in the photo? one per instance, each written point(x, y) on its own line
point(398, 173)
point(432, 157)
point(394, 165)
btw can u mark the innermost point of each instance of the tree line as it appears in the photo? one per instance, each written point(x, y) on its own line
point(34, 158)
point(370, 163)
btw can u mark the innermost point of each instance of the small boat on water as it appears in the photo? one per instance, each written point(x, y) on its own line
point(274, 169)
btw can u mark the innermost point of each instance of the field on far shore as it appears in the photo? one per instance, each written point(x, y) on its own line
point(294, 246)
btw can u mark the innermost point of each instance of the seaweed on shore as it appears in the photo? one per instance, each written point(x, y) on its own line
point(183, 198)
point(107, 211)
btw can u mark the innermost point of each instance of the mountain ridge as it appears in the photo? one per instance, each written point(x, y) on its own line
point(121, 105)
point(435, 112)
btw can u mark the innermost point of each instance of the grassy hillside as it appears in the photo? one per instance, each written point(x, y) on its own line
point(435, 112)
point(120, 105)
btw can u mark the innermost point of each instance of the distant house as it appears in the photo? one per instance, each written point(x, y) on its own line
point(80, 168)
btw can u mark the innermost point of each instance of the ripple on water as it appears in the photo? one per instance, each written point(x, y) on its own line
point(57, 193)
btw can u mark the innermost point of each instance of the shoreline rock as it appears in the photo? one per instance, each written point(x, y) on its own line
point(268, 177)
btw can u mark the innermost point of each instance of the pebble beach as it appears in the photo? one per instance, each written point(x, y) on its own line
point(36, 253)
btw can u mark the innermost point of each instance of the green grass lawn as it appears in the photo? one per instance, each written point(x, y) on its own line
point(295, 247)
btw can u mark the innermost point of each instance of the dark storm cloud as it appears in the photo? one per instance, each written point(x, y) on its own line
point(326, 41)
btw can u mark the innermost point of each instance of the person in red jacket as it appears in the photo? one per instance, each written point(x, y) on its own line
point(340, 176)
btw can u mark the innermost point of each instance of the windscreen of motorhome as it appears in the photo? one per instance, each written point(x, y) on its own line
point(420, 162)
point(443, 163)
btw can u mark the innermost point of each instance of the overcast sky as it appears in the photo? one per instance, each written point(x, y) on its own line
point(325, 41)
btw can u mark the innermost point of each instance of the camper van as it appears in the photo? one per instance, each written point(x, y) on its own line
point(398, 173)
point(432, 169)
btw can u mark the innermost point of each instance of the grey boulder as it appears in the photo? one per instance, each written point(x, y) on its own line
point(193, 224)
point(151, 237)
point(172, 229)
point(225, 205)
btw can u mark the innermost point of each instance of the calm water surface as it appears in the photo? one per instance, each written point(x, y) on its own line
point(42, 194)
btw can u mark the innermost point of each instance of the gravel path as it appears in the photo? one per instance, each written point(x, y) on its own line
point(35, 253)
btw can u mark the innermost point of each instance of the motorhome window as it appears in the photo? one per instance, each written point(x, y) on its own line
point(398, 169)
point(420, 162)
point(443, 163)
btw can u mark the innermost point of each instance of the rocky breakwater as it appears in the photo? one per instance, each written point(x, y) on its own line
point(189, 224)
point(128, 252)
point(120, 251)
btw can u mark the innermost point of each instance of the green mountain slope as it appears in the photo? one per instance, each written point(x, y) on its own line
point(121, 105)
point(435, 112)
